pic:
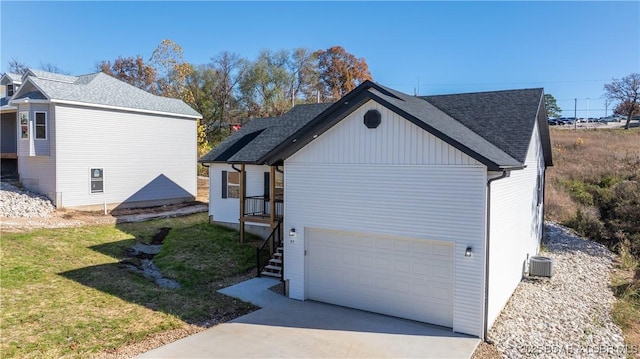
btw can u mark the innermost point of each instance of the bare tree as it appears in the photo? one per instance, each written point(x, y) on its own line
point(17, 67)
point(626, 92)
point(49, 67)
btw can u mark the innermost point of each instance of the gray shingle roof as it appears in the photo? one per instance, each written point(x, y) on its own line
point(101, 89)
point(260, 136)
point(495, 128)
point(504, 118)
point(11, 77)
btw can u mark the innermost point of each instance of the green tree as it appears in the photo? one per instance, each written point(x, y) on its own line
point(266, 85)
point(626, 93)
point(340, 72)
point(304, 75)
point(553, 110)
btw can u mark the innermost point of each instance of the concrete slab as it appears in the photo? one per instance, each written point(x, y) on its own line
point(286, 328)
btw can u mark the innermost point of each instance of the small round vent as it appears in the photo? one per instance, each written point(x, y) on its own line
point(372, 119)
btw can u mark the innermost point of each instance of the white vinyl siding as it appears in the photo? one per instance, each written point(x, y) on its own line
point(144, 157)
point(33, 144)
point(36, 159)
point(228, 209)
point(37, 173)
point(394, 180)
point(516, 220)
point(395, 141)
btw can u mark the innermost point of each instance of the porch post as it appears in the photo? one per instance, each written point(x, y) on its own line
point(272, 205)
point(243, 192)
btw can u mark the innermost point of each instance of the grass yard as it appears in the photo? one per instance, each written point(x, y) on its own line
point(66, 294)
point(594, 188)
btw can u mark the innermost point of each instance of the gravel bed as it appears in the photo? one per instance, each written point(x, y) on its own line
point(568, 315)
point(16, 202)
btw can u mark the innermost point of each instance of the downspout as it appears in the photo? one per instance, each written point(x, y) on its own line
point(233, 165)
point(485, 334)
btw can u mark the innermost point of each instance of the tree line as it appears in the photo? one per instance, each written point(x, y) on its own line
point(231, 89)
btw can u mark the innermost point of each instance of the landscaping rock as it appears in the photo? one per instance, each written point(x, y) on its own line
point(567, 315)
point(16, 202)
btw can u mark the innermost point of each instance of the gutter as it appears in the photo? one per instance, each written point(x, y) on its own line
point(485, 336)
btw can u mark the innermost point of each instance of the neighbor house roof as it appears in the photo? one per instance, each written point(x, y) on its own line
point(101, 90)
point(11, 77)
point(260, 136)
point(494, 128)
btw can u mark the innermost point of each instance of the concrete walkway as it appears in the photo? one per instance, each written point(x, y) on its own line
point(287, 328)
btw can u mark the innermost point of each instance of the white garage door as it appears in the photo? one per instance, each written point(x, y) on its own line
point(402, 277)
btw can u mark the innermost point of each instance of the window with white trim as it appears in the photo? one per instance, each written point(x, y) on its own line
point(24, 125)
point(9, 90)
point(230, 184)
point(41, 125)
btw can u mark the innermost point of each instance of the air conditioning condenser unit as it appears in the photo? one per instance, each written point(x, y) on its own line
point(540, 266)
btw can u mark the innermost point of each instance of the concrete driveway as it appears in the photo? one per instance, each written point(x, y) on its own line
point(287, 328)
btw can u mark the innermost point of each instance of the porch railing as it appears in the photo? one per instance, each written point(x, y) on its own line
point(266, 250)
point(261, 207)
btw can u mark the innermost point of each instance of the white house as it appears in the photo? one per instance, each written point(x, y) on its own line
point(86, 141)
point(425, 208)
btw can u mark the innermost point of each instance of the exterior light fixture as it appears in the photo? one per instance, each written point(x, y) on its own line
point(292, 232)
point(468, 252)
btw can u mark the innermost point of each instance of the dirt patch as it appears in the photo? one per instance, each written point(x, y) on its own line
point(64, 218)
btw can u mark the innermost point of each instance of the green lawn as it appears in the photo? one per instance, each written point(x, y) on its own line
point(65, 293)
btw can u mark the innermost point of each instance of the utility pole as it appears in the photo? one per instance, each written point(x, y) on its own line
point(587, 110)
point(575, 114)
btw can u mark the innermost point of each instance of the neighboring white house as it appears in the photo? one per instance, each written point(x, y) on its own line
point(425, 208)
point(85, 141)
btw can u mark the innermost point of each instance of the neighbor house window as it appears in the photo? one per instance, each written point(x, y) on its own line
point(279, 185)
point(97, 180)
point(230, 184)
point(24, 125)
point(41, 125)
point(9, 90)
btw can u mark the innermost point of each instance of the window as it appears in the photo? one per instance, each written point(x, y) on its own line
point(279, 185)
point(230, 184)
point(41, 125)
point(24, 125)
point(9, 90)
point(540, 186)
point(97, 180)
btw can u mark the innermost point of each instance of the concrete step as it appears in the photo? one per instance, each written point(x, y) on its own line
point(272, 268)
point(275, 261)
point(270, 274)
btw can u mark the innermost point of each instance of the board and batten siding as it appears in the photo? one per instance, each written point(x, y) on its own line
point(355, 179)
point(516, 227)
point(36, 158)
point(145, 157)
point(227, 210)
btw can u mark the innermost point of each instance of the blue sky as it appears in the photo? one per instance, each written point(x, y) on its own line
point(570, 48)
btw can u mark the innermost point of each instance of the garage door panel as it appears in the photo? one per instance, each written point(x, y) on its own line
point(408, 278)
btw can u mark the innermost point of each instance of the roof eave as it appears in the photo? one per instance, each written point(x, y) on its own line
point(130, 109)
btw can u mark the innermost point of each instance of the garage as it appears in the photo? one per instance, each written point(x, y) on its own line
point(404, 277)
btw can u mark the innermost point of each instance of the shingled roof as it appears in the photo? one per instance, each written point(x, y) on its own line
point(260, 136)
point(98, 89)
point(494, 128)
